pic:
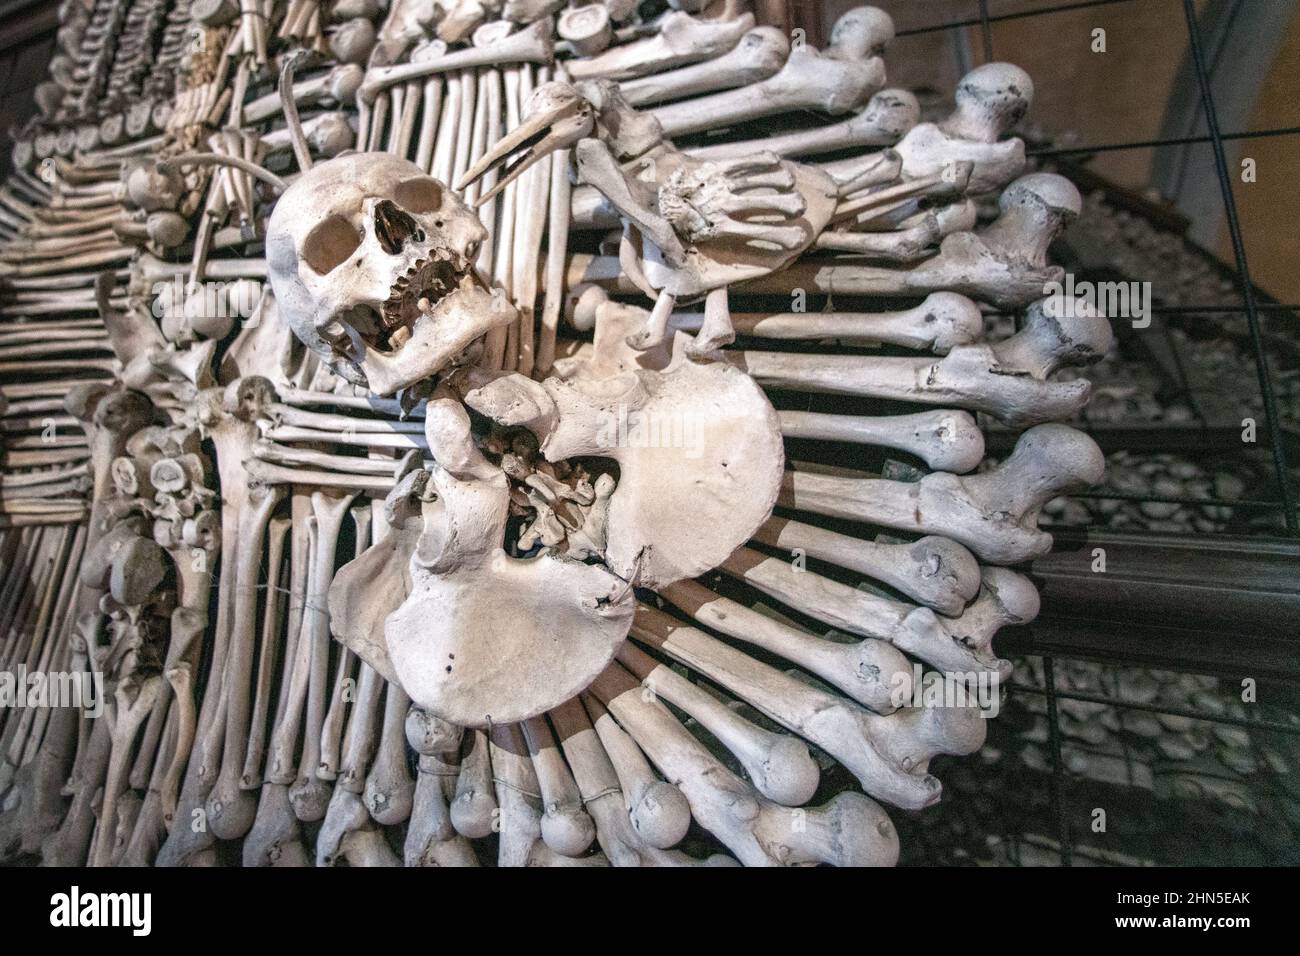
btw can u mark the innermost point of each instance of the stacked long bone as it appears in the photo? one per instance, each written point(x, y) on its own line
point(395, 575)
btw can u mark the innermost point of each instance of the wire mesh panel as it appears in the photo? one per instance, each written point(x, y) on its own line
point(1100, 759)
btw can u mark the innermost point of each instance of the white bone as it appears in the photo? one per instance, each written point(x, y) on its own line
point(779, 766)
point(594, 773)
point(338, 86)
point(888, 754)
point(837, 81)
point(944, 320)
point(474, 804)
point(565, 827)
point(680, 39)
point(991, 99)
point(944, 440)
point(760, 53)
point(656, 809)
point(849, 830)
point(993, 513)
point(530, 45)
point(887, 116)
point(933, 571)
point(1007, 379)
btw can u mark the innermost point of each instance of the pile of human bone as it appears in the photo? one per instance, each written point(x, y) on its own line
point(513, 433)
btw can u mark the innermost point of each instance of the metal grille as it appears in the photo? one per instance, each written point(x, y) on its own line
point(1252, 818)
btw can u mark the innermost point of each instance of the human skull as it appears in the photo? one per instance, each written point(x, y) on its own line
point(372, 263)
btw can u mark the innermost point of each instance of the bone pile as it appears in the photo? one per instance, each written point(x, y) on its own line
point(432, 369)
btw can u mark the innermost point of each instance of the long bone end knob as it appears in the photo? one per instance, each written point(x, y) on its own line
point(1058, 331)
point(860, 33)
point(1047, 460)
point(991, 99)
point(848, 830)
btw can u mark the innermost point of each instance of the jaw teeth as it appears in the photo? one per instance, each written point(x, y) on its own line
point(400, 337)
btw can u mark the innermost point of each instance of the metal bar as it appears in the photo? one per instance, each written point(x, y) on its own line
point(1157, 143)
point(1000, 18)
point(1243, 270)
point(1058, 768)
point(1269, 725)
point(986, 30)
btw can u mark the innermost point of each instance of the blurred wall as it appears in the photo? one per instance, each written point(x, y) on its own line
point(1124, 95)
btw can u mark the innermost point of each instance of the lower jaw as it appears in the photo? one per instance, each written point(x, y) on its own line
point(386, 373)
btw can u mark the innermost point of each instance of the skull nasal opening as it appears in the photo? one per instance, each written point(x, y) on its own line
point(393, 227)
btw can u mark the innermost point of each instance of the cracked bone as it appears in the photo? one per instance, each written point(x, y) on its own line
point(933, 571)
point(759, 54)
point(885, 119)
point(946, 440)
point(778, 765)
point(993, 513)
point(883, 752)
point(680, 39)
point(1008, 380)
point(837, 80)
point(849, 830)
point(960, 644)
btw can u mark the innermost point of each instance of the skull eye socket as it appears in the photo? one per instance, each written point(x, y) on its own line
point(419, 195)
point(329, 243)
